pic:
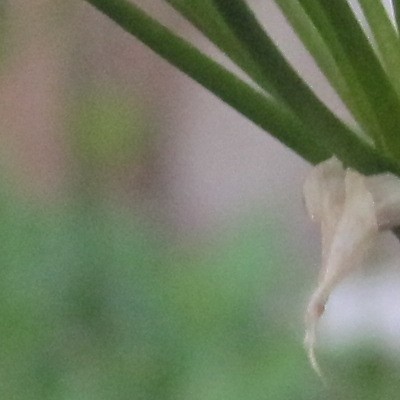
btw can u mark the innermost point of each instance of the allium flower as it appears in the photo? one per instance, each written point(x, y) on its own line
point(351, 209)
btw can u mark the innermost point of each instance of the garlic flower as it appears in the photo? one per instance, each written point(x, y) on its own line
point(351, 209)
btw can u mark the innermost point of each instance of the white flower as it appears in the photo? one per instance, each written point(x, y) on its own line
point(351, 209)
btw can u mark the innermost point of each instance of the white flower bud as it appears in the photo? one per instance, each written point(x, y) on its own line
point(351, 209)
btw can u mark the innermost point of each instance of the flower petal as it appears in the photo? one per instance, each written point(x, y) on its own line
point(324, 194)
point(385, 189)
point(324, 188)
point(345, 209)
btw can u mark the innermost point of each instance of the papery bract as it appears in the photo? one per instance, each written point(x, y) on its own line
point(347, 205)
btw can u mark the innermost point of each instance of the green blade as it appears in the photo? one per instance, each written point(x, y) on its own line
point(385, 37)
point(340, 75)
point(330, 131)
point(205, 17)
point(396, 9)
point(337, 24)
point(263, 111)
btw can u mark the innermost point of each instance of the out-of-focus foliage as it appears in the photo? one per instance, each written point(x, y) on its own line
point(107, 128)
point(97, 304)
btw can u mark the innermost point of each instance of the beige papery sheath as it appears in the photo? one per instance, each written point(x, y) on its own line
point(351, 209)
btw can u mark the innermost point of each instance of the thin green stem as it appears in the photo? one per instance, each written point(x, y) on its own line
point(312, 40)
point(396, 9)
point(262, 110)
point(341, 75)
point(345, 29)
point(330, 131)
point(386, 38)
point(204, 16)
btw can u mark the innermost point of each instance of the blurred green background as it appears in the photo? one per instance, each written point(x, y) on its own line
point(101, 297)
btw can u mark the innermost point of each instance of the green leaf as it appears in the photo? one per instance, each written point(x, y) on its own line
point(313, 144)
point(108, 128)
point(385, 37)
point(204, 15)
point(338, 26)
point(329, 130)
point(396, 9)
point(262, 110)
point(341, 75)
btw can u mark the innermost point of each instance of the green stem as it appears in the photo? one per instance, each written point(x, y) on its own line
point(386, 38)
point(311, 38)
point(396, 9)
point(263, 111)
point(341, 75)
point(345, 29)
point(329, 130)
point(205, 17)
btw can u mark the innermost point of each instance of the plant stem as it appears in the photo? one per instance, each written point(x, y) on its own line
point(262, 110)
point(341, 75)
point(386, 38)
point(329, 130)
point(312, 144)
point(370, 73)
point(205, 17)
point(396, 9)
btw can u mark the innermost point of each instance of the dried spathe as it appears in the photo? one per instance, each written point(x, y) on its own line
point(351, 209)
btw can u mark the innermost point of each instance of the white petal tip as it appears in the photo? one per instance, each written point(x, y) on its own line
point(309, 344)
point(315, 310)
